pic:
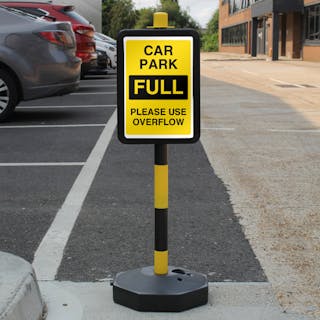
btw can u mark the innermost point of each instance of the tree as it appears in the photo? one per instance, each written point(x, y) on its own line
point(144, 18)
point(213, 24)
point(210, 39)
point(120, 14)
point(177, 17)
point(106, 8)
point(117, 15)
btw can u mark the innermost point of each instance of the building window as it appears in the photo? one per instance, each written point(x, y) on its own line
point(235, 36)
point(237, 5)
point(312, 15)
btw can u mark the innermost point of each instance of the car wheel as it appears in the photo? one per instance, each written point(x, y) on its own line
point(8, 95)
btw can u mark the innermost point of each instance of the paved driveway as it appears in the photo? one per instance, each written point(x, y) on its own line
point(261, 131)
point(78, 204)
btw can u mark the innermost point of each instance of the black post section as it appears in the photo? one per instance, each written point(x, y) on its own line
point(160, 154)
point(254, 31)
point(161, 230)
point(275, 36)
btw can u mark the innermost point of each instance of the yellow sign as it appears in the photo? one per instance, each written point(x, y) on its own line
point(158, 87)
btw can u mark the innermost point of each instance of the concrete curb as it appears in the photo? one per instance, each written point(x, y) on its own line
point(227, 301)
point(20, 297)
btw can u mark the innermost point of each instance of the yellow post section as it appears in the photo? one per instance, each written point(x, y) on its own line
point(161, 186)
point(160, 20)
point(161, 262)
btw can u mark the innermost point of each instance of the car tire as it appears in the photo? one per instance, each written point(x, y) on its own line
point(9, 96)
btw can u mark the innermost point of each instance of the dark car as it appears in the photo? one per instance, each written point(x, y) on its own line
point(37, 59)
point(84, 31)
point(103, 62)
point(103, 59)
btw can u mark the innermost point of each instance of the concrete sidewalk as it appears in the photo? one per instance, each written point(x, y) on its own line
point(20, 299)
point(225, 56)
point(227, 301)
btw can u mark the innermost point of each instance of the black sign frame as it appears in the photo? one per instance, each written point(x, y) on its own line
point(196, 84)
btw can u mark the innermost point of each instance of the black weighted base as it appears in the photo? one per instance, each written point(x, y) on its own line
point(142, 290)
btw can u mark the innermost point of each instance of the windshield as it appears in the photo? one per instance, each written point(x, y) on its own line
point(104, 37)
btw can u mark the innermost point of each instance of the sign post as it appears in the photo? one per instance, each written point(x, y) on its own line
point(159, 103)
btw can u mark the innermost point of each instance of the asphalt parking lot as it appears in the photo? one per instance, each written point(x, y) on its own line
point(78, 204)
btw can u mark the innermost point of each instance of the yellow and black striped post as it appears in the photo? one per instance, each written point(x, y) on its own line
point(160, 288)
point(161, 209)
point(160, 20)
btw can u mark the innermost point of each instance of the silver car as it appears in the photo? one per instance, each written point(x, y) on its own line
point(37, 59)
point(106, 44)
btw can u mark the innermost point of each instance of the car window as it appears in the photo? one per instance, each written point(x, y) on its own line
point(20, 13)
point(76, 16)
point(34, 11)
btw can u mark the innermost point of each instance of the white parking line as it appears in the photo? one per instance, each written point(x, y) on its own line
point(250, 72)
point(287, 83)
point(101, 77)
point(271, 130)
point(98, 86)
point(219, 129)
point(295, 130)
point(49, 254)
point(86, 93)
point(40, 164)
point(92, 81)
point(54, 126)
point(64, 107)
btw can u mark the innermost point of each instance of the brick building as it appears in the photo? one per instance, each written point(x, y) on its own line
point(276, 28)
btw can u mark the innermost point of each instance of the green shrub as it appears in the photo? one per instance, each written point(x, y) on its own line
point(210, 42)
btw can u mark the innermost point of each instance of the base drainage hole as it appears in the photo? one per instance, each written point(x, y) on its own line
point(180, 271)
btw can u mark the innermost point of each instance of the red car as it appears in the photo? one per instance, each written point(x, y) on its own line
point(84, 31)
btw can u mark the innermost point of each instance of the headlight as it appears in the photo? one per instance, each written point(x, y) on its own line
point(112, 49)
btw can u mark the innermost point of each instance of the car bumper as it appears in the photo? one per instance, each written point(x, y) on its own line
point(51, 90)
point(103, 60)
point(58, 79)
point(102, 64)
point(98, 70)
point(85, 67)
